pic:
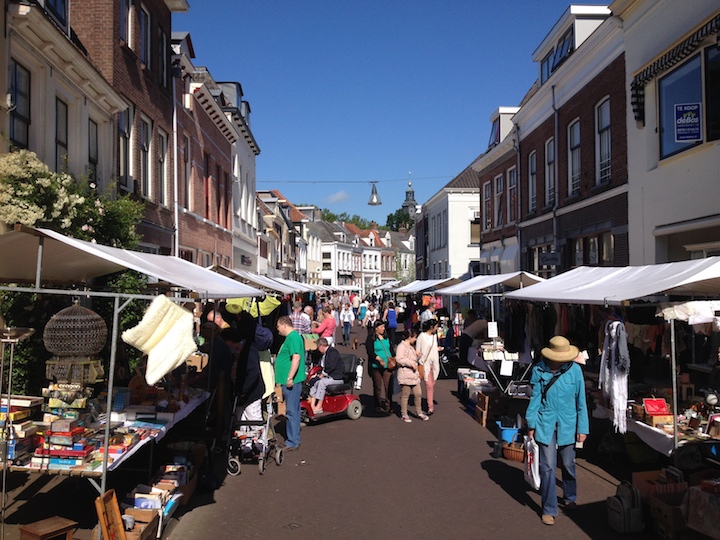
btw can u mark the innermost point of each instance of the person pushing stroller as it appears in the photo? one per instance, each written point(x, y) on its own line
point(332, 373)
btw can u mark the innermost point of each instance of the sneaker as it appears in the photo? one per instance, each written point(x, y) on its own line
point(424, 417)
point(548, 519)
point(407, 419)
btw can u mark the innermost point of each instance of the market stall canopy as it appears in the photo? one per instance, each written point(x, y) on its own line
point(297, 286)
point(59, 258)
point(420, 285)
point(255, 280)
point(389, 285)
point(617, 286)
point(481, 283)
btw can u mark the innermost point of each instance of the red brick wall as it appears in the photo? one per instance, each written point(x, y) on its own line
point(97, 23)
point(488, 175)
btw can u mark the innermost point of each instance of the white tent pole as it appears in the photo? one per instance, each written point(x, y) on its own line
point(674, 383)
point(38, 267)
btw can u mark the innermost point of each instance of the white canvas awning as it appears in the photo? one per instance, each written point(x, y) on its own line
point(61, 259)
point(255, 280)
point(421, 285)
point(481, 283)
point(297, 286)
point(616, 286)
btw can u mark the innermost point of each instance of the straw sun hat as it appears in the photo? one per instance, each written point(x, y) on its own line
point(560, 350)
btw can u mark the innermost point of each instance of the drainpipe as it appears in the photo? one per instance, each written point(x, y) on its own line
point(519, 188)
point(555, 174)
point(176, 240)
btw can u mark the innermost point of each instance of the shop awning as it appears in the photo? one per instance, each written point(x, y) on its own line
point(68, 260)
point(617, 286)
point(481, 283)
point(496, 254)
point(421, 285)
point(254, 280)
point(297, 286)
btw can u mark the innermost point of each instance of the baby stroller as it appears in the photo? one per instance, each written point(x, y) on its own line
point(253, 441)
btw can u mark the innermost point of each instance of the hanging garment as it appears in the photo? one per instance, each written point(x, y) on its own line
point(165, 333)
point(614, 370)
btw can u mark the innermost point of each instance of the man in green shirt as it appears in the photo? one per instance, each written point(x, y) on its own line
point(290, 374)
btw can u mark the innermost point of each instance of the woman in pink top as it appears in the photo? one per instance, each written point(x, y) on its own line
point(326, 328)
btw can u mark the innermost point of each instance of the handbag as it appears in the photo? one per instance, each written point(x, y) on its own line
point(421, 371)
point(391, 362)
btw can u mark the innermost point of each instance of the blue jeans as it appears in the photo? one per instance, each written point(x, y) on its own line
point(346, 331)
point(548, 485)
point(292, 414)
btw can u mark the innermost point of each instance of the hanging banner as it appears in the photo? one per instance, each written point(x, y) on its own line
point(688, 122)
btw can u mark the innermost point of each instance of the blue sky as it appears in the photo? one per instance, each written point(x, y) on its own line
point(345, 92)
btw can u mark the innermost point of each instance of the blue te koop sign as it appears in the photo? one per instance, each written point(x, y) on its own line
point(688, 122)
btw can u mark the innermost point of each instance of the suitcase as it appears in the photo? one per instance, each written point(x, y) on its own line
point(625, 509)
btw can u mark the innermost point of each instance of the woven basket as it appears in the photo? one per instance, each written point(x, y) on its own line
point(75, 331)
point(514, 451)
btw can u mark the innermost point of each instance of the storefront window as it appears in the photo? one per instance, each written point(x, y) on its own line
point(682, 87)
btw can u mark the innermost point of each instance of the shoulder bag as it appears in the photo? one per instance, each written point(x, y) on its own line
point(391, 362)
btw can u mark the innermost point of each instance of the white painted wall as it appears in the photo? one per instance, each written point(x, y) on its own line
point(685, 186)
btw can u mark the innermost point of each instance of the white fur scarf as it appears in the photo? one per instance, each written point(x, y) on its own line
point(165, 333)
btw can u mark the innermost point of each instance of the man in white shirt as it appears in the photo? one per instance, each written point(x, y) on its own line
point(428, 314)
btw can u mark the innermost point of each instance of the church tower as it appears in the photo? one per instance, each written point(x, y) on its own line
point(409, 204)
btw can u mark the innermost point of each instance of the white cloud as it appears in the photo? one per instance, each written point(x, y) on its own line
point(340, 196)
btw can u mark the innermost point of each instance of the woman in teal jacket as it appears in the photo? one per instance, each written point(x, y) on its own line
point(557, 414)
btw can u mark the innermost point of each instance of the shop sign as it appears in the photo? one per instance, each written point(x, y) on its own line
point(688, 122)
point(550, 258)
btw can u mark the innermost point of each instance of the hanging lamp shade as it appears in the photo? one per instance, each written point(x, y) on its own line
point(374, 197)
point(75, 331)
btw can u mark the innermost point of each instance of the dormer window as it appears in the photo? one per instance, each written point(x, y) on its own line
point(546, 67)
point(58, 8)
point(494, 133)
point(563, 49)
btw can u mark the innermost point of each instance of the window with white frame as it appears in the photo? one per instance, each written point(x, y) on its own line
point(144, 42)
point(144, 142)
point(532, 181)
point(124, 136)
point(689, 103)
point(546, 67)
point(512, 195)
point(494, 133)
point(445, 228)
point(487, 206)
point(563, 49)
point(602, 142)
point(574, 158)
point(20, 113)
point(499, 182)
point(93, 155)
point(61, 135)
point(162, 163)
point(125, 20)
point(550, 172)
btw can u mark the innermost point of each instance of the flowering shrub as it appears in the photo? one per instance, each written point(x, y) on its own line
point(32, 194)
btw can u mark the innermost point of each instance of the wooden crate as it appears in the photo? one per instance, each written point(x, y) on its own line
point(481, 416)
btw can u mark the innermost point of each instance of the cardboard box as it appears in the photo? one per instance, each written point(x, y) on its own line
point(665, 509)
point(142, 515)
point(651, 482)
point(144, 531)
point(655, 420)
point(188, 489)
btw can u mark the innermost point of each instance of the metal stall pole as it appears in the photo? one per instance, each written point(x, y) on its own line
point(674, 383)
